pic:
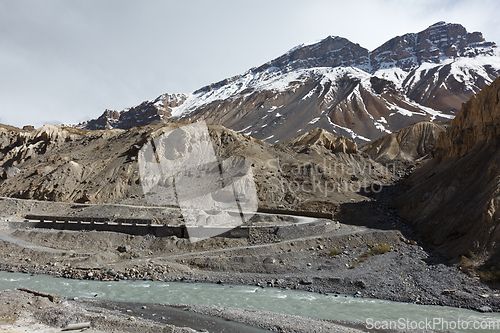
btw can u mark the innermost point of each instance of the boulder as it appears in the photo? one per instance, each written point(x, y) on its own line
point(124, 248)
point(11, 172)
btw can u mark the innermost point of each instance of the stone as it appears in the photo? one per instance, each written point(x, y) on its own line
point(28, 128)
point(11, 172)
point(360, 284)
point(485, 309)
point(306, 281)
point(124, 248)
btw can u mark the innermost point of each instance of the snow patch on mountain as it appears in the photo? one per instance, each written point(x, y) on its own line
point(337, 128)
point(395, 75)
point(268, 80)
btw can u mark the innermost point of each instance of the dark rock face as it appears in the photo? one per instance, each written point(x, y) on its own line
point(332, 51)
point(105, 121)
point(381, 86)
point(453, 199)
point(28, 128)
point(430, 45)
point(148, 112)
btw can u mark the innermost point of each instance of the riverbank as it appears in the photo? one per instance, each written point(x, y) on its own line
point(44, 313)
point(28, 310)
point(371, 253)
point(343, 263)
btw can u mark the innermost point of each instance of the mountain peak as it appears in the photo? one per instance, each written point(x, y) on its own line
point(434, 44)
point(336, 85)
point(437, 42)
point(332, 51)
point(438, 24)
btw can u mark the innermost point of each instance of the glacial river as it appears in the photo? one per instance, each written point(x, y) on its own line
point(267, 299)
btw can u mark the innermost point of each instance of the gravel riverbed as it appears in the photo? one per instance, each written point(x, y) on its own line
point(29, 310)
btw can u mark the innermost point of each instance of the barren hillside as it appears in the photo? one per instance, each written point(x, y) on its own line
point(453, 199)
point(407, 144)
point(314, 171)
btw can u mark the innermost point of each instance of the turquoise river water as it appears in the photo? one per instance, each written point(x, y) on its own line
point(292, 302)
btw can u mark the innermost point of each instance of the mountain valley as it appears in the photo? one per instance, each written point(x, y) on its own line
point(376, 175)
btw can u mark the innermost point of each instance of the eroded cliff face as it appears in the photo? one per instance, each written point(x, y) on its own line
point(408, 144)
point(454, 199)
point(66, 164)
point(477, 123)
point(319, 138)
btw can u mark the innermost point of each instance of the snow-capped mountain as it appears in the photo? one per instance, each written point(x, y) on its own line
point(337, 85)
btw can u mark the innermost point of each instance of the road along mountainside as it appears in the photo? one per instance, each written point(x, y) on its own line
point(376, 261)
point(368, 251)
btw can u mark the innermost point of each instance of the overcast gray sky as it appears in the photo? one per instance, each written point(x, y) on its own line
point(65, 61)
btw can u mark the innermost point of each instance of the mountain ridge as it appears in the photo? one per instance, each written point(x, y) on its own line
point(336, 85)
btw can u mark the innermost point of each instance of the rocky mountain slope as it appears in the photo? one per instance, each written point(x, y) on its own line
point(453, 199)
point(336, 85)
point(313, 172)
point(146, 113)
point(408, 144)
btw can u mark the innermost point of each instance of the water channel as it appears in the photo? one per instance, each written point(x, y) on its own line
point(268, 299)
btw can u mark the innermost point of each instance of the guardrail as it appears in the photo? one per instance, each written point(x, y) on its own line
point(83, 219)
point(130, 226)
point(143, 227)
point(124, 225)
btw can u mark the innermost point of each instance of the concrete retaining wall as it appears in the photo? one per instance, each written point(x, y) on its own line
point(54, 218)
point(271, 234)
point(318, 215)
point(143, 227)
point(127, 226)
point(138, 227)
